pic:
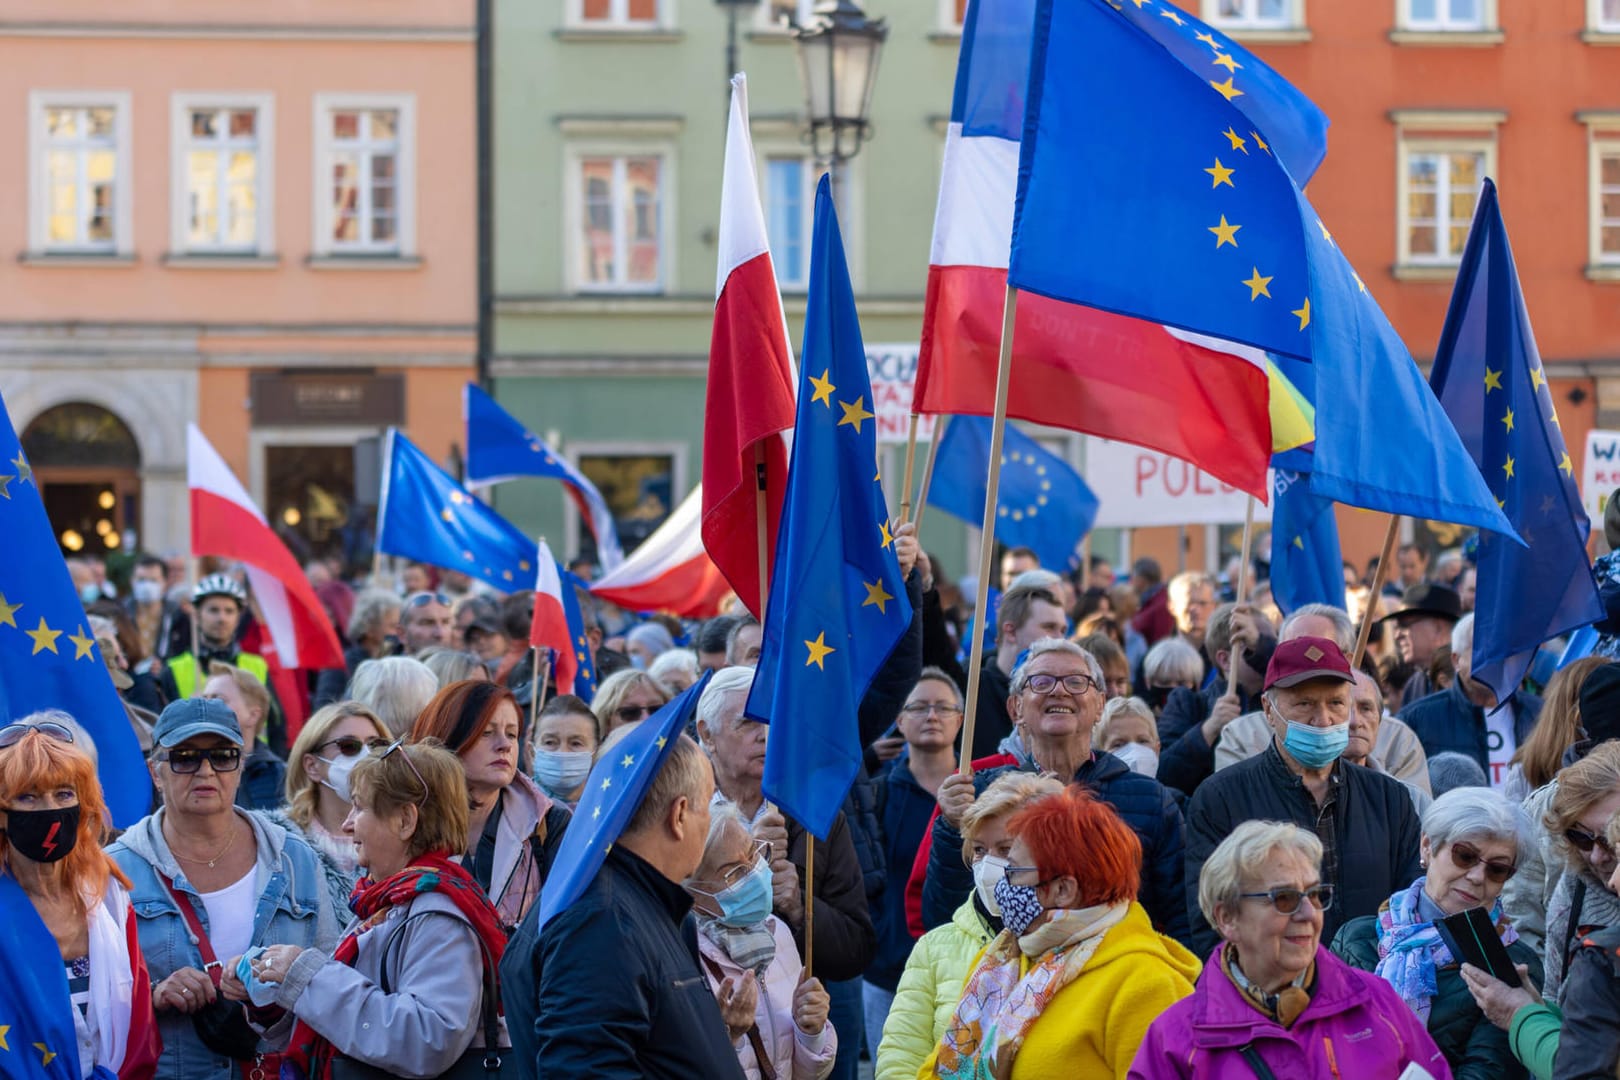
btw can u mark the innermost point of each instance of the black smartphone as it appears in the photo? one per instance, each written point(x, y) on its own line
point(1472, 939)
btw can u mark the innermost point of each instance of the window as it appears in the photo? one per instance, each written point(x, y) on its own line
point(1606, 202)
point(80, 198)
point(594, 14)
point(1254, 14)
point(782, 14)
point(365, 172)
point(639, 483)
point(1441, 188)
point(222, 175)
point(1603, 16)
point(619, 231)
point(789, 212)
point(1446, 15)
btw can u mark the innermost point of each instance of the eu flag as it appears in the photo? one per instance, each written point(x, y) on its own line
point(36, 1011)
point(618, 782)
point(1306, 565)
point(1149, 185)
point(585, 672)
point(427, 516)
point(837, 602)
point(1041, 504)
point(1488, 375)
point(48, 656)
point(499, 448)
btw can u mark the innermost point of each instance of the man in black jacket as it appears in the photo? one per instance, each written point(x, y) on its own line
point(1365, 820)
point(620, 990)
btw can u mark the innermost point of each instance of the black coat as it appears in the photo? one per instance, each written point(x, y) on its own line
point(846, 941)
point(1377, 832)
point(1589, 1038)
point(1449, 721)
point(620, 990)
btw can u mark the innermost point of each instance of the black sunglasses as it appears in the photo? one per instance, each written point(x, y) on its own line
point(221, 759)
point(349, 746)
point(12, 734)
point(1287, 901)
point(1582, 840)
point(1466, 856)
point(629, 714)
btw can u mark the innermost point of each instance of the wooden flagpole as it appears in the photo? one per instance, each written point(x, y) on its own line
point(928, 474)
point(911, 460)
point(1248, 541)
point(1368, 616)
point(987, 533)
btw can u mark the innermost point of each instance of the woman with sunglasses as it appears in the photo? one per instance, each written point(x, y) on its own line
point(1272, 1002)
point(1473, 839)
point(514, 828)
point(626, 697)
point(210, 881)
point(76, 985)
point(777, 1018)
point(328, 747)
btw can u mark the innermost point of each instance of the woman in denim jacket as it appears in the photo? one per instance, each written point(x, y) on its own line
point(248, 881)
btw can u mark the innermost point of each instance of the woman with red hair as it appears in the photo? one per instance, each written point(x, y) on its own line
point(514, 828)
point(1070, 985)
point(73, 985)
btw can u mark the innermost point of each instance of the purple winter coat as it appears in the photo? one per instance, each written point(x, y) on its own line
point(1355, 1028)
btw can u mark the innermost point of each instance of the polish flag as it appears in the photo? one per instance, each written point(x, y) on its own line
point(226, 522)
point(750, 391)
point(549, 627)
point(670, 570)
point(1197, 398)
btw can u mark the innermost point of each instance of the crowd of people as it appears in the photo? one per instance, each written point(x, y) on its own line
point(1197, 840)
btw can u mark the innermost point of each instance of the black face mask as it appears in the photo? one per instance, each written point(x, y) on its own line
point(43, 835)
point(1157, 696)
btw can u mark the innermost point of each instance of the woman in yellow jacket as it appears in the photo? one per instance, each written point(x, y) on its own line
point(931, 984)
point(1070, 985)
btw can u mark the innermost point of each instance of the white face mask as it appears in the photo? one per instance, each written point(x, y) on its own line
point(986, 872)
point(337, 774)
point(1138, 757)
point(147, 592)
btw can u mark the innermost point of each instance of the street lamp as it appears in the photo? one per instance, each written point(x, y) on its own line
point(838, 62)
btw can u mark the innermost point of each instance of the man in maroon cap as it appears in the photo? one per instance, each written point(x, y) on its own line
point(1365, 820)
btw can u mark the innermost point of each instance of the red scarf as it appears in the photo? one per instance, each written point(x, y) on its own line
point(371, 901)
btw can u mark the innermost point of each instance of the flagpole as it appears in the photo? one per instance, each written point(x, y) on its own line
point(928, 474)
point(1248, 541)
point(1379, 576)
point(761, 533)
point(911, 460)
point(987, 534)
point(196, 618)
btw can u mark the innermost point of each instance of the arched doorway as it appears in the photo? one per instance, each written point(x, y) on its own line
point(87, 465)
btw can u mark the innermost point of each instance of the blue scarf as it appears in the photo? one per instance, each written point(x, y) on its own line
point(36, 1012)
point(1411, 951)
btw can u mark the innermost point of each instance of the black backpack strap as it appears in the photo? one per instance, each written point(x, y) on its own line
point(491, 1002)
point(1576, 903)
point(1256, 1062)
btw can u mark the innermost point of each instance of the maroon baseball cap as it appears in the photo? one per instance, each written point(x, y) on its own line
point(1303, 658)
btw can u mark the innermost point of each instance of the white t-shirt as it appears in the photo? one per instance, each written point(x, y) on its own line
point(1499, 744)
point(230, 917)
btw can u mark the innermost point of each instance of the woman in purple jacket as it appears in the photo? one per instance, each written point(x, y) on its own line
point(1272, 1002)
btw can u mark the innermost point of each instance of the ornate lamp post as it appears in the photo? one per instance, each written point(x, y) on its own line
point(838, 62)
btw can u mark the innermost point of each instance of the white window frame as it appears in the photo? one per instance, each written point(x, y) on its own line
point(948, 22)
point(322, 245)
point(1596, 23)
point(1293, 17)
point(677, 452)
point(264, 126)
point(764, 24)
point(619, 17)
point(1602, 140)
point(764, 153)
point(1442, 23)
point(1411, 143)
point(574, 153)
point(123, 245)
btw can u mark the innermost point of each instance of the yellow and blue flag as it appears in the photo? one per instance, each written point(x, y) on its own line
point(48, 656)
point(1488, 375)
point(837, 602)
point(37, 1037)
point(1150, 185)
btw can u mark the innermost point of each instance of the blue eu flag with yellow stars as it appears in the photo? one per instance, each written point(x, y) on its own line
point(585, 675)
point(837, 602)
point(1155, 181)
point(1488, 375)
point(48, 655)
point(618, 782)
point(1042, 503)
point(428, 517)
point(1306, 564)
point(37, 1037)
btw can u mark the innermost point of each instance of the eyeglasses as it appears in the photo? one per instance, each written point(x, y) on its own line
point(1074, 684)
point(423, 599)
point(923, 708)
point(762, 854)
point(12, 734)
point(629, 714)
point(395, 745)
point(1466, 856)
point(1287, 901)
point(1578, 837)
point(220, 759)
point(349, 746)
point(1011, 870)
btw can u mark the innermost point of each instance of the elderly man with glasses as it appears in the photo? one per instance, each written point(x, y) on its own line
point(425, 621)
point(1055, 700)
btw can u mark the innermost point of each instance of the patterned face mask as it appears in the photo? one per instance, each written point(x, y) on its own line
point(1020, 907)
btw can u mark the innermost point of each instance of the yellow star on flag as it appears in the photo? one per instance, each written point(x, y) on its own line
point(854, 414)
point(1221, 175)
point(824, 389)
point(1139, 4)
point(8, 612)
point(607, 782)
point(661, 741)
point(888, 538)
point(1228, 91)
point(1537, 377)
point(1238, 141)
point(5, 480)
point(1173, 17)
point(81, 644)
point(1566, 466)
point(4, 1029)
point(1325, 234)
point(875, 594)
point(819, 651)
point(1258, 285)
point(1299, 542)
point(1261, 143)
point(1508, 419)
point(446, 514)
point(1204, 37)
point(629, 760)
point(1303, 312)
point(1225, 60)
point(1508, 467)
point(1493, 379)
point(1553, 419)
point(45, 1056)
point(25, 471)
point(44, 637)
point(1224, 233)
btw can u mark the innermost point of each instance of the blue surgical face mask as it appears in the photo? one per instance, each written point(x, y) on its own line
point(1315, 747)
point(560, 772)
point(747, 902)
point(89, 592)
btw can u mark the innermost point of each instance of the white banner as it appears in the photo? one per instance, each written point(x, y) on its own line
point(1138, 487)
point(1600, 472)
point(893, 369)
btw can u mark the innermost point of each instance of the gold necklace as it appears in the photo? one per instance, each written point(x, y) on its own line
point(218, 855)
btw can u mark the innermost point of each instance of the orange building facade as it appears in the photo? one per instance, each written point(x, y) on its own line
point(258, 218)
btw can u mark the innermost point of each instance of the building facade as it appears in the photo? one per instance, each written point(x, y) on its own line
point(258, 218)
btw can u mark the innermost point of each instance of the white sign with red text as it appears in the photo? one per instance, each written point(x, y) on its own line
point(893, 369)
point(1600, 471)
point(1137, 487)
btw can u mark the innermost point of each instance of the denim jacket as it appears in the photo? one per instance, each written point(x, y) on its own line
point(293, 909)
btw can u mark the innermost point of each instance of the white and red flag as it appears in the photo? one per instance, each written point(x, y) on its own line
point(549, 627)
point(750, 390)
point(226, 522)
point(669, 571)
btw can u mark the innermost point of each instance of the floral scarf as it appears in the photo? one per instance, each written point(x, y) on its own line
point(1014, 981)
point(1411, 951)
point(310, 1053)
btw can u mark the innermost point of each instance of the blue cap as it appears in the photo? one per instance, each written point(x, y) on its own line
point(190, 717)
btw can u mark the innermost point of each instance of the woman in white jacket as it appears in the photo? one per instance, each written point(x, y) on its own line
point(777, 1017)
